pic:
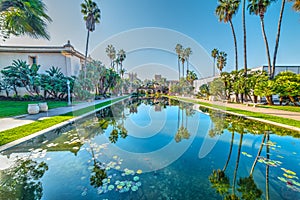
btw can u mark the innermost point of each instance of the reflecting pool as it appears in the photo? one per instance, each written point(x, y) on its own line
point(155, 149)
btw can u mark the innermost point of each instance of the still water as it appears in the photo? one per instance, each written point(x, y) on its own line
point(155, 149)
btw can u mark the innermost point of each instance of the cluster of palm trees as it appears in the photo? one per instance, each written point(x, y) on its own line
point(221, 57)
point(246, 185)
point(116, 59)
point(183, 57)
point(227, 9)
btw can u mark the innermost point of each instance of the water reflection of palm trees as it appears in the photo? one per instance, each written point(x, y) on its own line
point(247, 187)
point(24, 175)
point(114, 117)
point(98, 171)
point(182, 131)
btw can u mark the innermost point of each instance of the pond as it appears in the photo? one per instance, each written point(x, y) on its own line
point(155, 149)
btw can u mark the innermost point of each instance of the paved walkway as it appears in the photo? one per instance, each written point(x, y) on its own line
point(12, 122)
point(269, 111)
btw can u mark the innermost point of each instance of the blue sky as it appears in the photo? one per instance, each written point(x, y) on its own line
point(193, 18)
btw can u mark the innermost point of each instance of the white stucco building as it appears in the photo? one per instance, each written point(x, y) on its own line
point(65, 57)
point(279, 68)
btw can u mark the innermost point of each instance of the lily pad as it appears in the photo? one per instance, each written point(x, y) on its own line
point(138, 184)
point(119, 187)
point(111, 187)
point(134, 188)
point(136, 178)
point(289, 171)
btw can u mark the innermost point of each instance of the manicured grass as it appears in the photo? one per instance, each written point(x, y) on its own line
point(280, 120)
point(28, 129)
point(15, 108)
point(285, 108)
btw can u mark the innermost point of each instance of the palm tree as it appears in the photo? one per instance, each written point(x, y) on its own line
point(111, 53)
point(183, 59)
point(277, 37)
point(121, 56)
point(245, 37)
point(225, 11)
point(191, 76)
point(24, 17)
point(259, 7)
point(214, 54)
point(188, 52)
point(91, 16)
point(178, 49)
point(221, 60)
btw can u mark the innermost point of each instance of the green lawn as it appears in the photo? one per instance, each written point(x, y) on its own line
point(280, 120)
point(28, 129)
point(15, 108)
point(286, 108)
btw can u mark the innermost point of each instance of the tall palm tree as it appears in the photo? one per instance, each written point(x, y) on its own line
point(214, 54)
point(221, 60)
point(111, 53)
point(178, 50)
point(91, 16)
point(259, 7)
point(225, 11)
point(122, 56)
point(296, 7)
point(188, 52)
point(24, 17)
point(245, 37)
point(183, 59)
point(277, 38)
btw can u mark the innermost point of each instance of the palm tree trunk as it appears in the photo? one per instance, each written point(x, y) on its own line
point(258, 153)
point(183, 69)
point(86, 51)
point(237, 163)
point(267, 169)
point(178, 69)
point(230, 151)
point(178, 118)
point(267, 45)
point(245, 37)
point(187, 66)
point(214, 70)
point(235, 45)
point(277, 38)
point(182, 117)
